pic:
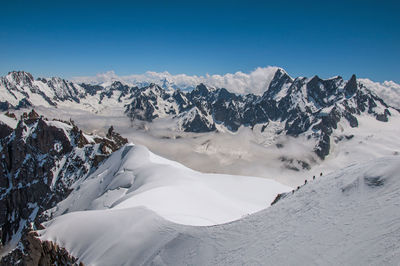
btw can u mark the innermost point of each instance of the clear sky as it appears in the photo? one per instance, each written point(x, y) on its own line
point(77, 38)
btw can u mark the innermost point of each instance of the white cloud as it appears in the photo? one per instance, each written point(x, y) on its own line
point(389, 91)
point(256, 82)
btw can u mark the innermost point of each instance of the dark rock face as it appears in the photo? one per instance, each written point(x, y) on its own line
point(4, 106)
point(279, 80)
point(41, 159)
point(115, 140)
point(91, 89)
point(4, 130)
point(24, 103)
point(144, 105)
point(351, 86)
point(197, 123)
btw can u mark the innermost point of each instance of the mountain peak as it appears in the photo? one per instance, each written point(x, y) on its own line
point(351, 86)
point(201, 89)
point(20, 77)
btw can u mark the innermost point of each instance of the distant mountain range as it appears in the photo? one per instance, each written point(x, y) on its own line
point(255, 82)
point(309, 106)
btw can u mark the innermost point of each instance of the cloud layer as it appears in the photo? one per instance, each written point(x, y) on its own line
point(255, 82)
point(389, 91)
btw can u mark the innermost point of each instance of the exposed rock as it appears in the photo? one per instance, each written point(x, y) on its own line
point(295, 164)
point(351, 86)
point(40, 161)
point(11, 115)
point(279, 197)
point(5, 130)
point(117, 139)
point(37, 252)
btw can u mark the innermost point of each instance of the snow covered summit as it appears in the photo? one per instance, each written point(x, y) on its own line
point(133, 177)
point(346, 218)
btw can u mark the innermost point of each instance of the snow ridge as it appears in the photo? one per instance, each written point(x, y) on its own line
point(135, 177)
point(349, 217)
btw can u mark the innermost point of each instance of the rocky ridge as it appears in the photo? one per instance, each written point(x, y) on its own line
point(41, 159)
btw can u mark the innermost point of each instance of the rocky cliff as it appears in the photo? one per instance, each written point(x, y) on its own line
point(41, 159)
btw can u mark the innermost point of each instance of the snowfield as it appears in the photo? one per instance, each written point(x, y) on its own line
point(351, 217)
point(135, 177)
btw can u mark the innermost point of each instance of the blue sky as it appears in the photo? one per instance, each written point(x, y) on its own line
point(78, 38)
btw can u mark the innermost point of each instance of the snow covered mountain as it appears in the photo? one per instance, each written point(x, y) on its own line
point(349, 217)
point(295, 128)
point(134, 177)
point(20, 90)
point(41, 159)
point(311, 107)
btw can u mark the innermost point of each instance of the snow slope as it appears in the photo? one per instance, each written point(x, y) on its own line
point(350, 217)
point(133, 176)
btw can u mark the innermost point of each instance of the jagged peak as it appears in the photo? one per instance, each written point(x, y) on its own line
point(279, 75)
point(317, 79)
point(116, 83)
point(224, 93)
point(201, 86)
point(55, 81)
point(314, 79)
point(153, 86)
point(60, 80)
point(351, 86)
point(20, 77)
point(202, 89)
point(19, 73)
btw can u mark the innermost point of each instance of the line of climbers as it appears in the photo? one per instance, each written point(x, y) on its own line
point(305, 182)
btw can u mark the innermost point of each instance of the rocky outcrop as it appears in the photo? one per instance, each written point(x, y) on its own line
point(46, 253)
point(38, 252)
point(279, 197)
point(117, 139)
